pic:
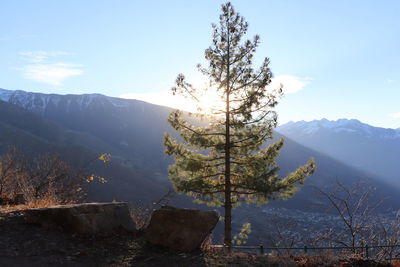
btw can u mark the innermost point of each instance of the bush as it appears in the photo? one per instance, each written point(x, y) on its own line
point(40, 181)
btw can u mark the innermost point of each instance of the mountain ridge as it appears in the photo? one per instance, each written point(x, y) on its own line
point(13, 95)
point(339, 123)
point(360, 145)
point(135, 131)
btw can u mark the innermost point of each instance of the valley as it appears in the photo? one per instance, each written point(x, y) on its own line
point(79, 127)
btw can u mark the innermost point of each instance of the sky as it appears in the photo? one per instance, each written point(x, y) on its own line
point(336, 59)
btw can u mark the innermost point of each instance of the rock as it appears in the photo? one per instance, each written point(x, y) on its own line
point(84, 219)
point(180, 229)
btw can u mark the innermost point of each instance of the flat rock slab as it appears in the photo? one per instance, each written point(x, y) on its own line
point(180, 229)
point(84, 219)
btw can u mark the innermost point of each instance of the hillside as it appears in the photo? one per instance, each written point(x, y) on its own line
point(132, 132)
point(373, 149)
point(33, 135)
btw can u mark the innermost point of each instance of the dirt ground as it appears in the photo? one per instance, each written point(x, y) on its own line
point(29, 245)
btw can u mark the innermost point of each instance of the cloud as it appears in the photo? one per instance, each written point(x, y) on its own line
point(395, 115)
point(53, 74)
point(42, 69)
point(388, 80)
point(291, 84)
point(40, 56)
point(163, 98)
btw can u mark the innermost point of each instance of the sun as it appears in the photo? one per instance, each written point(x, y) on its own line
point(208, 102)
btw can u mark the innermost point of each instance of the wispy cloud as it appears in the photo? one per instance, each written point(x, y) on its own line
point(163, 98)
point(43, 67)
point(53, 74)
point(388, 80)
point(291, 84)
point(40, 56)
point(395, 115)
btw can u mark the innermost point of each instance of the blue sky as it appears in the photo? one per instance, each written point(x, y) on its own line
point(336, 59)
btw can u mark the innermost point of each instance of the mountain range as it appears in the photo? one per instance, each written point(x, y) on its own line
point(365, 147)
point(79, 127)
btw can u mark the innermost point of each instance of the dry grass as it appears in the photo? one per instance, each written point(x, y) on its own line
point(41, 181)
point(45, 201)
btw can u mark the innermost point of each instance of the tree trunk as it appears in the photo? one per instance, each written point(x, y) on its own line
point(228, 202)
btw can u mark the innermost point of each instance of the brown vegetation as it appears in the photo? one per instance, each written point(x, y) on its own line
point(41, 181)
point(360, 221)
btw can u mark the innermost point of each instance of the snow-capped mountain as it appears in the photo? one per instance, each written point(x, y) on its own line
point(351, 126)
point(132, 131)
point(80, 126)
point(40, 103)
point(374, 149)
point(116, 121)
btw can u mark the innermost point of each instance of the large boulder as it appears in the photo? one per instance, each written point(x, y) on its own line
point(84, 219)
point(180, 229)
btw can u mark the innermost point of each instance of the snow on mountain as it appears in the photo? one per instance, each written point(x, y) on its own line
point(39, 102)
point(372, 149)
point(5, 94)
point(350, 126)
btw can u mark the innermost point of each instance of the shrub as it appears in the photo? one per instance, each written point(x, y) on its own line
point(43, 180)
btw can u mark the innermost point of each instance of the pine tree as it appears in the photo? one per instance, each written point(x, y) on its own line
point(225, 162)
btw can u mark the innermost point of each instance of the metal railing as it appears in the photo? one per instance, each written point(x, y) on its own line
point(366, 249)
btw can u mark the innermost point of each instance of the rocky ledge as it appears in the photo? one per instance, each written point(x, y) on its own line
point(85, 218)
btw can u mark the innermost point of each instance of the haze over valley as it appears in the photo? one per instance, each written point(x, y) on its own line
point(79, 127)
